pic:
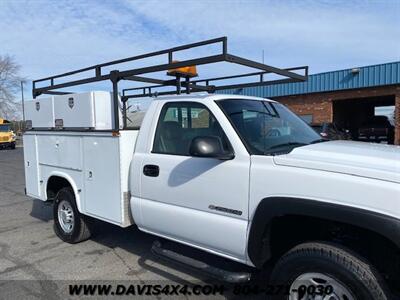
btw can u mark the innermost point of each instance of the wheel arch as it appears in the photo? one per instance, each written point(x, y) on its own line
point(259, 246)
point(54, 181)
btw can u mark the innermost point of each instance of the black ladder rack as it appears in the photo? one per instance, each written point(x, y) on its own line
point(190, 86)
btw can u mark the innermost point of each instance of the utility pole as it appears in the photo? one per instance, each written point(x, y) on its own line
point(22, 99)
point(23, 105)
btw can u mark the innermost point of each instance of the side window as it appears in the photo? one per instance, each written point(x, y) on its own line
point(200, 117)
point(180, 123)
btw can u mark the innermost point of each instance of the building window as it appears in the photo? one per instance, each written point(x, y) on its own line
point(307, 118)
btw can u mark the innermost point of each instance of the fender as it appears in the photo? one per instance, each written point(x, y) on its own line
point(71, 182)
point(259, 248)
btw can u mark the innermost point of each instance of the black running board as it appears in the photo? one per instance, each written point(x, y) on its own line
point(220, 274)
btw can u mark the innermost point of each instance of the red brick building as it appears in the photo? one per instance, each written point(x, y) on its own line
point(347, 97)
point(348, 108)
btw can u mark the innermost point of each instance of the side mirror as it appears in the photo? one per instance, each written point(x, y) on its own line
point(209, 146)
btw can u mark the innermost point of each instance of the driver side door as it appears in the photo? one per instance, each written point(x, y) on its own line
point(195, 200)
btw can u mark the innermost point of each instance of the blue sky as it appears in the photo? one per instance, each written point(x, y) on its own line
point(50, 37)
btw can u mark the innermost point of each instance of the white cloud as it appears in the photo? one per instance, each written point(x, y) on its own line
point(293, 32)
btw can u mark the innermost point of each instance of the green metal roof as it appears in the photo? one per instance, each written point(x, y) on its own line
point(368, 76)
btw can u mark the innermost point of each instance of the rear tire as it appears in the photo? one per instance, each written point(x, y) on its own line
point(69, 225)
point(316, 264)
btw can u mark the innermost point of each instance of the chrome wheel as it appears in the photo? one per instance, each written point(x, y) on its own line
point(66, 216)
point(318, 286)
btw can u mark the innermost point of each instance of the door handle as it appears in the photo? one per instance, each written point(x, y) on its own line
point(151, 170)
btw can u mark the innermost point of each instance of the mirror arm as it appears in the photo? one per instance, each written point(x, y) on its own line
point(226, 156)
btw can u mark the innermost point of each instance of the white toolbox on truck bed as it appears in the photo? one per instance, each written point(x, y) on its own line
point(91, 110)
point(39, 113)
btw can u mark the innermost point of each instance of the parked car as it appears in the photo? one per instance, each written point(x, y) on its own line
point(331, 131)
point(377, 128)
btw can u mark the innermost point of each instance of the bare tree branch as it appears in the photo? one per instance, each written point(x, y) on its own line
point(10, 81)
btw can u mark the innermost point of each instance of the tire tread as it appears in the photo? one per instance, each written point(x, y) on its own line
point(81, 221)
point(342, 256)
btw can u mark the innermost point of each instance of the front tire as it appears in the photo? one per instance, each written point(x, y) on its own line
point(69, 225)
point(327, 265)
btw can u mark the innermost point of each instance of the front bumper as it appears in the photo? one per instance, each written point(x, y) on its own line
point(7, 144)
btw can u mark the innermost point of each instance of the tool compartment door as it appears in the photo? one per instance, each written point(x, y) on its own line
point(31, 166)
point(75, 110)
point(102, 178)
point(40, 112)
point(84, 110)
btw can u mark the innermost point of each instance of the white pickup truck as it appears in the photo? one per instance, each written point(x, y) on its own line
point(240, 177)
point(237, 176)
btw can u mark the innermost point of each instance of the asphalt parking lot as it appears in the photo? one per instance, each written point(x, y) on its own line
point(35, 264)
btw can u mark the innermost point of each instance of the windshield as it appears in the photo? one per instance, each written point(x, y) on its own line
point(267, 128)
point(4, 128)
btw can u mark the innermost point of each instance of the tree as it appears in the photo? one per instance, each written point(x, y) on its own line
point(10, 81)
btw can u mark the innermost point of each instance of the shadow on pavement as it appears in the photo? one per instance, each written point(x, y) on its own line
point(41, 210)
point(138, 243)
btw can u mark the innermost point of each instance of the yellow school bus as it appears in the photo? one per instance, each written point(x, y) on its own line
point(7, 136)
